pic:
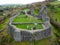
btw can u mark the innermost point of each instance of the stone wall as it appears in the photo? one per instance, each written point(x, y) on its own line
point(29, 35)
point(26, 35)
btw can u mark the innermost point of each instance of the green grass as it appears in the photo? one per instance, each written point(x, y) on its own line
point(23, 18)
point(56, 31)
point(36, 11)
point(24, 26)
point(40, 42)
point(56, 15)
point(43, 42)
point(3, 25)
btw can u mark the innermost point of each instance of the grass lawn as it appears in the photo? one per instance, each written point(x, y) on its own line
point(23, 18)
point(36, 11)
point(24, 26)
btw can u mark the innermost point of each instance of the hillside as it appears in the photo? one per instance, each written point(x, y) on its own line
point(53, 12)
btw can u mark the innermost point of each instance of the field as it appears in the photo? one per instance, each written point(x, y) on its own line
point(55, 15)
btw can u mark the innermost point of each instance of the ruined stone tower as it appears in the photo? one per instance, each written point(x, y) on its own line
point(32, 9)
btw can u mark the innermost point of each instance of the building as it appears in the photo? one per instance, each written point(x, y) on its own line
point(30, 35)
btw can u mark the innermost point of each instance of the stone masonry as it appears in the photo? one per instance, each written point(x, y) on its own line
point(29, 35)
